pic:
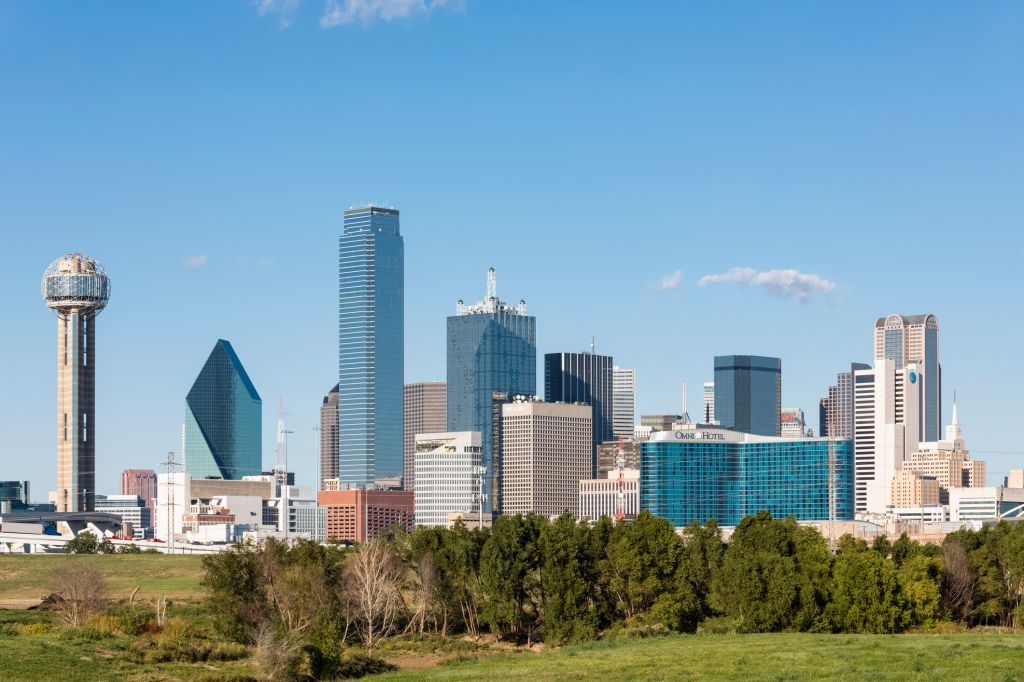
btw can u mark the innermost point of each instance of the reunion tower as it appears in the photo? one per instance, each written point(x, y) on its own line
point(77, 288)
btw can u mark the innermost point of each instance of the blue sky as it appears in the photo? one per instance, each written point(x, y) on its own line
point(603, 156)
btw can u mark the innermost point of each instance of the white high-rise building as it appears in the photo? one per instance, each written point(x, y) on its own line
point(887, 429)
point(546, 452)
point(623, 402)
point(793, 425)
point(447, 475)
point(708, 415)
point(600, 496)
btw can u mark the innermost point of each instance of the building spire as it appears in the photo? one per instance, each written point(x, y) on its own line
point(955, 422)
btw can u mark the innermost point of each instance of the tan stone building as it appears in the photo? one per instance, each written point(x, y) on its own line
point(546, 451)
point(425, 411)
point(912, 490)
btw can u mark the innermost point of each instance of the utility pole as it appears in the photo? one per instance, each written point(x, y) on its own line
point(171, 467)
point(833, 476)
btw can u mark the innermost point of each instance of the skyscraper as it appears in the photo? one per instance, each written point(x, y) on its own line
point(223, 418)
point(329, 437)
point(583, 378)
point(748, 393)
point(142, 484)
point(492, 346)
point(835, 412)
point(77, 288)
point(906, 339)
point(708, 416)
point(793, 425)
point(426, 411)
point(371, 347)
point(623, 402)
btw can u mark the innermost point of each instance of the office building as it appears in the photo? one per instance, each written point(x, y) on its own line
point(1015, 479)
point(329, 440)
point(601, 496)
point(132, 509)
point(914, 339)
point(223, 419)
point(359, 515)
point(948, 461)
point(371, 348)
point(426, 411)
point(708, 413)
point(887, 429)
point(835, 411)
point(608, 456)
point(492, 347)
point(986, 504)
point(448, 475)
point(623, 402)
point(659, 422)
point(701, 472)
point(142, 484)
point(911, 490)
point(792, 423)
point(14, 495)
point(179, 494)
point(77, 288)
point(546, 451)
point(748, 393)
point(584, 378)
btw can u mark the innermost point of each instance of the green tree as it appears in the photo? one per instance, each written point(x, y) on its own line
point(237, 591)
point(775, 575)
point(85, 542)
point(569, 614)
point(866, 596)
point(510, 575)
point(920, 578)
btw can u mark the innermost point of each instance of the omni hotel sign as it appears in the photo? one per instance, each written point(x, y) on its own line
point(698, 435)
point(708, 435)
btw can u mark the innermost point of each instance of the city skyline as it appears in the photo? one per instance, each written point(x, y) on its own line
point(774, 145)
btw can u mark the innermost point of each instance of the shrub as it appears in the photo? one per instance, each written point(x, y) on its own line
point(34, 629)
point(358, 664)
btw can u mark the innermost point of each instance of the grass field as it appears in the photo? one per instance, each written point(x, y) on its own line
point(31, 576)
point(967, 656)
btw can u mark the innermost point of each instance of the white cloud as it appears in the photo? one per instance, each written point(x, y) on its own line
point(788, 283)
point(193, 262)
point(671, 281)
point(339, 12)
point(282, 8)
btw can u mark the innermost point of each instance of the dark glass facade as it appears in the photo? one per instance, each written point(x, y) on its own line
point(223, 419)
point(583, 378)
point(699, 480)
point(748, 393)
point(488, 351)
point(371, 347)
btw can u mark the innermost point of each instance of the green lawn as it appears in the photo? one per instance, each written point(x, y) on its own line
point(177, 576)
point(987, 656)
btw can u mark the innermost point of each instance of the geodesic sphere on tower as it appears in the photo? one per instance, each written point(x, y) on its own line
point(76, 281)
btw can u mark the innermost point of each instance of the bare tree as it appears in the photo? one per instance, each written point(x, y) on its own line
point(373, 591)
point(426, 572)
point(160, 608)
point(82, 591)
point(299, 593)
point(275, 657)
point(959, 580)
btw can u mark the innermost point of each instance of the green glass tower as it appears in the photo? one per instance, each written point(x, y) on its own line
point(223, 419)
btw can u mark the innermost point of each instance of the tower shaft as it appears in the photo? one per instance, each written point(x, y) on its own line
point(76, 409)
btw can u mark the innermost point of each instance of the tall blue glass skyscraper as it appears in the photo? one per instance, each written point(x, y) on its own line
point(748, 393)
point(371, 347)
point(223, 419)
point(492, 347)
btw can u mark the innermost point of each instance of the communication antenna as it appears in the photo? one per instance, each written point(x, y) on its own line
point(281, 471)
point(492, 284)
point(480, 472)
point(620, 463)
point(832, 481)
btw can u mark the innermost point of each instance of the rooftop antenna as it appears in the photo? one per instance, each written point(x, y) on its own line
point(684, 401)
point(492, 284)
point(593, 341)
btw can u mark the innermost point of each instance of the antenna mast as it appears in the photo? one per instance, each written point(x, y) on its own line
point(281, 471)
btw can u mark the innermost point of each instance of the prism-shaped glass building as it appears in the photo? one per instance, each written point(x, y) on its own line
point(223, 419)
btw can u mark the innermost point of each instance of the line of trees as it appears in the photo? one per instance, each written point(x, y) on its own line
point(528, 579)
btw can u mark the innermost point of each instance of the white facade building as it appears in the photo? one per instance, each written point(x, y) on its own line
point(985, 504)
point(447, 473)
point(131, 508)
point(623, 402)
point(546, 452)
point(600, 496)
point(793, 424)
point(708, 414)
point(887, 428)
